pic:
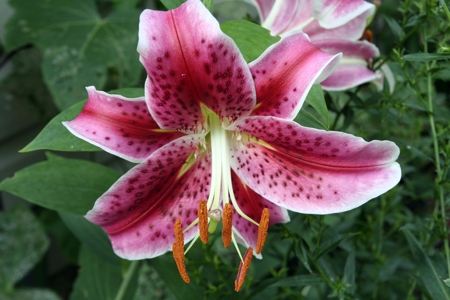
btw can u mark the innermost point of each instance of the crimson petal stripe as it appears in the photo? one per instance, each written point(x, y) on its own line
point(119, 125)
point(189, 62)
point(138, 212)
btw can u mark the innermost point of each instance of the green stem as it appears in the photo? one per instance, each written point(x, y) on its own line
point(126, 280)
point(436, 156)
point(447, 12)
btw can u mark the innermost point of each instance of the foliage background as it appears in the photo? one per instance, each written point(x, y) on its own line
point(394, 247)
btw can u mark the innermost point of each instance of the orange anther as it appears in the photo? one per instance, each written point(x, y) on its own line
point(227, 222)
point(243, 268)
point(262, 230)
point(203, 220)
point(367, 35)
point(178, 250)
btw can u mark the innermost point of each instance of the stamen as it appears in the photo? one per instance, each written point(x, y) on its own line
point(203, 220)
point(178, 250)
point(243, 268)
point(227, 223)
point(262, 230)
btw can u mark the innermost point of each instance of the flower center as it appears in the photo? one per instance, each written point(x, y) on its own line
point(221, 204)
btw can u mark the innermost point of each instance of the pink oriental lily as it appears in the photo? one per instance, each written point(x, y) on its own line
point(214, 138)
point(334, 26)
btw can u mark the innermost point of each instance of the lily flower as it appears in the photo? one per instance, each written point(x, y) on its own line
point(215, 140)
point(335, 26)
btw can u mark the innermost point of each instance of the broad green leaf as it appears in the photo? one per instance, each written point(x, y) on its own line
point(424, 57)
point(22, 244)
point(430, 276)
point(34, 294)
point(56, 137)
point(167, 270)
point(172, 4)
point(69, 185)
point(98, 279)
point(316, 99)
point(251, 39)
point(79, 46)
point(92, 236)
point(307, 119)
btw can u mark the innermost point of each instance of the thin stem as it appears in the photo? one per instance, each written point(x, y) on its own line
point(436, 156)
point(447, 12)
point(126, 280)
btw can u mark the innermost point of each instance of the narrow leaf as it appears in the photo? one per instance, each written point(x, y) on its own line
point(395, 27)
point(332, 243)
point(431, 278)
point(251, 39)
point(70, 185)
point(424, 57)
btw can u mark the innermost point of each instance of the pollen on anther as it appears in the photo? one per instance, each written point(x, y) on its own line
point(178, 250)
point(203, 220)
point(262, 230)
point(243, 268)
point(227, 221)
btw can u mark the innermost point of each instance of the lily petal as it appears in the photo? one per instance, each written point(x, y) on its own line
point(190, 61)
point(252, 205)
point(313, 171)
point(352, 30)
point(335, 13)
point(285, 72)
point(139, 210)
point(263, 6)
point(119, 125)
point(280, 16)
point(352, 69)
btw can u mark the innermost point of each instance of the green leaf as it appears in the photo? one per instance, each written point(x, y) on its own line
point(98, 279)
point(172, 4)
point(167, 270)
point(349, 270)
point(424, 57)
point(299, 280)
point(70, 185)
point(307, 119)
point(35, 294)
point(56, 137)
point(431, 278)
point(395, 27)
point(330, 244)
point(92, 236)
point(316, 99)
point(79, 46)
point(22, 244)
point(251, 39)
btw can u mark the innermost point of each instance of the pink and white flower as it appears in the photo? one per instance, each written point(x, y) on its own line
point(212, 127)
point(334, 26)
